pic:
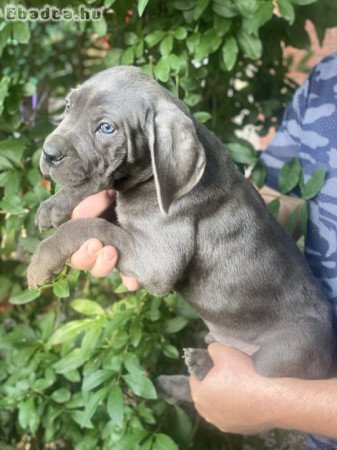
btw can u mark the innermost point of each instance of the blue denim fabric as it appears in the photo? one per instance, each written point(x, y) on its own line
point(309, 132)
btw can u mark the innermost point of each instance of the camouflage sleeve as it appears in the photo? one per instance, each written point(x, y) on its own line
point(286, 144)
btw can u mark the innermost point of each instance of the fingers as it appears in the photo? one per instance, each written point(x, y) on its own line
point(105, 262)
point(94, 205)
point(94, 257)
point(131, 283)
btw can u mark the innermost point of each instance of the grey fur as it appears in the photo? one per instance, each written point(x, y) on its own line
point(188, 220)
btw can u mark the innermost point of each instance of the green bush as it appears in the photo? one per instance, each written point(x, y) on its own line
point(77, 362)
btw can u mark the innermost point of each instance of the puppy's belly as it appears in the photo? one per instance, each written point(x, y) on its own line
point(221, 336)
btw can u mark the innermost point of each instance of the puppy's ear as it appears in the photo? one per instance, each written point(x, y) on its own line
point(178, 158)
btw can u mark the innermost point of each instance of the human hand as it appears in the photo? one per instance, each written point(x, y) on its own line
point(93, 256)
point(233, 396)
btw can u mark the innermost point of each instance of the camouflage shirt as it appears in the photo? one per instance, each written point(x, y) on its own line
point(309, 132)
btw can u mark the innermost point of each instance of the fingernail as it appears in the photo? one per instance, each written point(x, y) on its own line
point(108, 257)
point(92, 248)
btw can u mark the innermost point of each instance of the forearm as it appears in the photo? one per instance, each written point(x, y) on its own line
point(236, 399)
point(304, 405)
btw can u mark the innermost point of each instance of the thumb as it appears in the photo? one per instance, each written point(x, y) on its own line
point(220, 353)
point(94, 205)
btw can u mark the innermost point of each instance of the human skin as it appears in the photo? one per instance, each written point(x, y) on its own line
point(249, 402)
point(93, 256)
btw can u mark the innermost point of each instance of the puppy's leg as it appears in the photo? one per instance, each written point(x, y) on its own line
point(134, 253)
point(174, 388)
point(302, 350)
point(198, 362)
point(57, 209)
point(51, 255)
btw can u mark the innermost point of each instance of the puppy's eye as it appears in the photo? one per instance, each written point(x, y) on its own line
point(67, 102)
point(106, 128)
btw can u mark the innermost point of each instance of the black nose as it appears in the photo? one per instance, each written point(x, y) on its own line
point(53, 155)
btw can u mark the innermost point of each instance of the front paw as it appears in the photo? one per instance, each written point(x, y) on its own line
point(46, 262)
point(50, 214)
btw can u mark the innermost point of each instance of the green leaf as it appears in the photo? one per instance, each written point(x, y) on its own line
point(100, 27)
point(87, 307)
point(250, 44)
point(287, 10)
point(175, 325)
point(26, 411)
point(164, 442)
point(263, 14)
point(247, 8)
point(259, 173)
point(314, 185)
point(292, 221)
point(62, 395)
point(221, 25)
point(303, 218)
point(26, 296)
point(96, 378)
point(12, 204)
point(128, 56)
point(70, 362)
point(241, 153)
point(140, 385)
point(290, 175)
point(141, 6)
point(166, 46)
point(170, 351)
point(226, 9)
point(94, 401)
point(184, 5)
point(121, 289)
point(162, 69)
point(12, 149)
point(197, 11)
point(180, 33)
point(113, 57)
point(73, 376)
point(115, 405)
point(70, 330)
point(4, 87)
point(154, 38)
point(21, 32)
point(202, 116)
point(61, 288)
point(274, 207)
point(209, 43)
point(130, 38)
point(303, 2)
point(230, 52)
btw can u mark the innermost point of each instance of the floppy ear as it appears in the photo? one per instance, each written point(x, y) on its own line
point(177, 156)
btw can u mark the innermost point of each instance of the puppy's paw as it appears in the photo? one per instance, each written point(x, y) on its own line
point(173, 388)
point(198, 362)
point(45, 263)
point(50, 214)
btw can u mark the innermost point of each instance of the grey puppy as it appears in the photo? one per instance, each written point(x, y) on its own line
point(187, 220)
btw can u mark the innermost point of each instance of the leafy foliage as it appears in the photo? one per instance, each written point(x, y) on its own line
point(78, 356)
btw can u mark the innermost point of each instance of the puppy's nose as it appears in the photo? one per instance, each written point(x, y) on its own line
point(52, 155)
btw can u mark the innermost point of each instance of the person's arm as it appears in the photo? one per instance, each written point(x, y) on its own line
point(93, 256)
point(235, 398)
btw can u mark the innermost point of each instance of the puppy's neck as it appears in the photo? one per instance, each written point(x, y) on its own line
point(135, 177)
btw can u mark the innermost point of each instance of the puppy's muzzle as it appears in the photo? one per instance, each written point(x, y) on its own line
point(52, 155)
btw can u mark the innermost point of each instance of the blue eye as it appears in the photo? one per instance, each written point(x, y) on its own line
point(106, 128)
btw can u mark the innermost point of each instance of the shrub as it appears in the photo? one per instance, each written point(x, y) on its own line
point(77, 362)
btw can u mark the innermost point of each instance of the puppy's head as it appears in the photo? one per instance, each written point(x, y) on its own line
point(124, 128)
